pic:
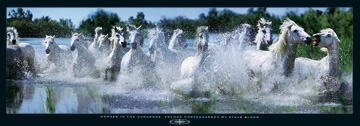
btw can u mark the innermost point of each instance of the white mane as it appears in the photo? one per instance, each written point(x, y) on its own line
point(280, 45)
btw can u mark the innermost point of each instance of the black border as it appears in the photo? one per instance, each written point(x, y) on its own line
point(264, 119)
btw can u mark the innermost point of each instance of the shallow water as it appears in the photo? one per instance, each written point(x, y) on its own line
point(62, 93)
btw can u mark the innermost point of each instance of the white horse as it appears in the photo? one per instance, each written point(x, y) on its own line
point(263, 37)
point(136, 61)
point(84, 64)
point(27, 51)
point(327, 66)
point(242, 36)
point(104, 44)
point(279, 61)
point(167, 62)
point(98, 32)
point(14, 63)
point(193, 68)
point(60, 55)
point(178, 44)
point(158, 50)
point(117, 53)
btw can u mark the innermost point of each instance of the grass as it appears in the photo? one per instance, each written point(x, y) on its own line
point(50, 101)
point(203, 107)
point(345, 53)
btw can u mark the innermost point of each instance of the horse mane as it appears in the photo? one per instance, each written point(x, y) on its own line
point(114, 30)
point(280, 45)
point(15, 31)
point(180, 35)
point(97, 29)
point(199, 29)
point(263, 22)
point(154, 31)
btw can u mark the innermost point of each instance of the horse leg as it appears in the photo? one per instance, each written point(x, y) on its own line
point(106, 71)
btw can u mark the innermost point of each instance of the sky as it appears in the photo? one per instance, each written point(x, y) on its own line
point(151, 14)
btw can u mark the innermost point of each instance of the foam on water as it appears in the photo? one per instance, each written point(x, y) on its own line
point(226, 77)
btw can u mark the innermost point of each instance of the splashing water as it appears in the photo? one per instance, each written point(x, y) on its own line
point(231, 86)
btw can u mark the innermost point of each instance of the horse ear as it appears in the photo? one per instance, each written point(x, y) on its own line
point(139, 27)
point(207, 27)
point(289, 27)
point(53, 36)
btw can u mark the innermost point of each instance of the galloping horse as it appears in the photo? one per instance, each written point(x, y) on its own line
point(193, 68)
point(98, 32)
point(60, 55)
point(104, 45)
point(178, 44)
point(84, 64)
point(117, 53)
point(192, 65)
point(263, 37)
point(282, 54)
point(242, 36)
point(27, 51)
point(165, 60)
point(135, 60)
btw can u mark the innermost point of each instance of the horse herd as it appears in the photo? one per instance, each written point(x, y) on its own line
point(168, 61)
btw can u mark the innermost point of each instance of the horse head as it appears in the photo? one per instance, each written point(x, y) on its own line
point(136, 37)
point(118, 36)
point(77, 40)
point(295, 33)
point(11, 35)
point(325, 38)
point(202, 38)
point(247, 33)
point(104, 42)
point(156, 39)
point(265, 32)
point(49, 43)
point(178, 40)
point(98, 31)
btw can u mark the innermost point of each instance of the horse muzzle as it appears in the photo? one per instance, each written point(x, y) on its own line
point(72, 48)
point(13, 41)
point(47, 51)
point(316, 39)
point(123, 44)
point(308, 40)
point(133, 45)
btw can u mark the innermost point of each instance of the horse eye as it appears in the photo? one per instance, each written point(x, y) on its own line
point(295, 30)
point(328, 35)
point(263, 31)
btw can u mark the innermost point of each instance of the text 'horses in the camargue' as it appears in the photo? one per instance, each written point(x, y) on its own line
point(23, 55)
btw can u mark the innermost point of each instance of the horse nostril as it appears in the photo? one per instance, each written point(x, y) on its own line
point(72, 48)
point(47, 51)
point(13, 42)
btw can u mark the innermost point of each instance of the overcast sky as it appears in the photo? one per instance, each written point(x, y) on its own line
point(151, 14)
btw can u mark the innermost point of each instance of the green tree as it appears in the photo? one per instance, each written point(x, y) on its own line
point(102, 19)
